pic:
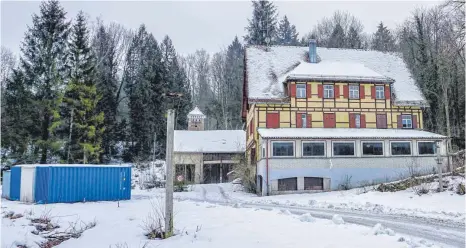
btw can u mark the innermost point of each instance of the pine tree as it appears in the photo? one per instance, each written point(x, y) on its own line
point(107, 86)
point(145, 88)
point(383, 40)
point(286, 33)
point(263, 25)
point(18, 116)
point(234, 81)
point(177, 82)
point(85, 120)
point(337, 39)
point(44, 52)
point(353, 39)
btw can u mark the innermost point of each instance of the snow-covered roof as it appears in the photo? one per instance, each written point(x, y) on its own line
point(267, 69)
point(347, 133)
point(196, 112)
point(210, 141)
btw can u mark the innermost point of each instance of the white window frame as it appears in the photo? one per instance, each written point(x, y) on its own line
point(329, 88)
point(410, 120)
point(301, 91)
point(371, 141)
point(357, 120)
point(427, 155)
point(303, 120)
point(402, 141)
point(284, 141)
point(379, 89)
point(344, 156)
point(353, 93)
point(316, 141)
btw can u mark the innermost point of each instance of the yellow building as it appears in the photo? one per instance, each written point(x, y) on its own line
point(289, 88)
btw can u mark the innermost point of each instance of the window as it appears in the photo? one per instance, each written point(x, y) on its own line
point(263, 152)
point(300, 91)
point(354, 91)
point(343, 149)
point(328, 91)
point(406, 121)
point(401, 148)
point(303, 120)
point(313, 183)
point(311, 149)
point(283, 149)
point(287, 184)
point(357, 120)
point(372, 148)
point(379, 92)
point(426, 147)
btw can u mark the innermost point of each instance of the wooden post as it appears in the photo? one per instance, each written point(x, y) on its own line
point(169, 180)
point(439, 167)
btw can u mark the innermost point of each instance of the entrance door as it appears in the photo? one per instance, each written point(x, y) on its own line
point(329, 120)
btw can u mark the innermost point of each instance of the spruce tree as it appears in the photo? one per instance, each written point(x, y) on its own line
point(383, 40)
point(262, 26)
point(353, 39)
point(337, 39)
point(286, 33)
point(107, 86)
point(44, 52)
point(234, 81)
point(85, 125)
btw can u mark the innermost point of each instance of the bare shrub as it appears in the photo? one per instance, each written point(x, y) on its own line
point(345, 183)
point(12, 216)
point(153, 225)
point(243, 171)
point(460, 189)
point(421, 189)
point(75, 230)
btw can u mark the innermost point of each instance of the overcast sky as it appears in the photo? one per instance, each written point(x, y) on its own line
point(208, 24)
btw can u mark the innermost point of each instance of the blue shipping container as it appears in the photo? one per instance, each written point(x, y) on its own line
point(15, 183)
point(6, 184)
point(54, 184)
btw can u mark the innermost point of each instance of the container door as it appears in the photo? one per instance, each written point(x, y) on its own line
point(15, 184)
point(6, 184)
point(27, 184)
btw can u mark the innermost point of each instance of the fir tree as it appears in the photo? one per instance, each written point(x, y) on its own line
point(286, 33)
point(263, 24)
point(383, 40)
point(353, 39)
point(107, 86)
point(337, 39)
point(44, 52)
point(85, 121)
point(234, 81)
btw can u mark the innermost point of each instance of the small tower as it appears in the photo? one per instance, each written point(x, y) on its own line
point(196, 120)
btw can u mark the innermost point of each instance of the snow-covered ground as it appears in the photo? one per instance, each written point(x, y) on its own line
point(446, 205)
point(197, 224)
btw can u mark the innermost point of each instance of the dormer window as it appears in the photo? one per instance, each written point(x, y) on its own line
point(300, 91)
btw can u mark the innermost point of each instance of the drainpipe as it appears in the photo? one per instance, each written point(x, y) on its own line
point(267, 164)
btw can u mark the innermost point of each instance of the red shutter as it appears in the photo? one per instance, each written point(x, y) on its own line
point(346, 91)
point(387, 92)
point(399, 121)
point(352, 121)
point(362, 94)
point(308, 90)
point(320, 91)
point(329, 120)
point(414, 119)
point(309, 121)
point(293, 90)
point(363, 121)
point(373, 92)
point(299, 120)
point(337, 91)
point(272, 120)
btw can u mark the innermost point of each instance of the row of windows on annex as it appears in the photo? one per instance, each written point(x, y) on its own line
point(347, 149)
point(356, 120)
point(330, 91)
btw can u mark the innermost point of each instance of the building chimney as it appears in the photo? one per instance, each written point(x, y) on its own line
point(312, 51)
